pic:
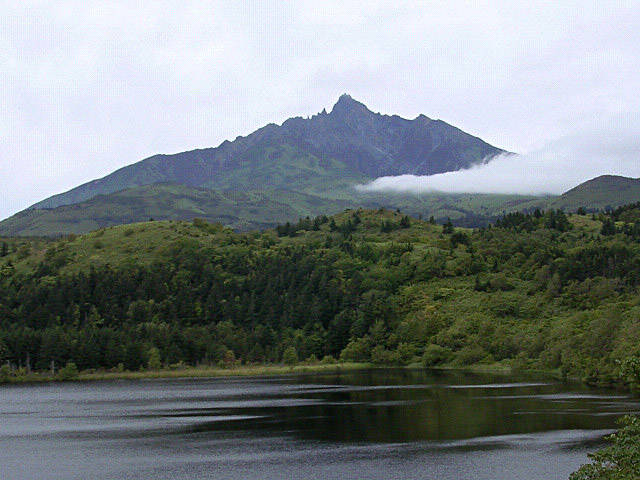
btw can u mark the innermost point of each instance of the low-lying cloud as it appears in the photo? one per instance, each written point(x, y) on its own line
point(554, 169)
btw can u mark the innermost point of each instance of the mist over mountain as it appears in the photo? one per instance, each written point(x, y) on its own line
point(610, 147)
point(305, 166)
point(318, 165)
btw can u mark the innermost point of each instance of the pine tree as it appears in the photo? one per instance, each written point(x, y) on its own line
point(608, 227)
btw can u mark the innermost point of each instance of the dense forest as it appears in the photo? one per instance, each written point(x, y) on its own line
point(542, 290)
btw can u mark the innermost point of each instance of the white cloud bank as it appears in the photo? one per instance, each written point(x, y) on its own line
point(554, 169)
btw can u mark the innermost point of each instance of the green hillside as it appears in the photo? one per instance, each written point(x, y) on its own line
point(246, 210)
point(545, 290)
point(606, 191)
point(328, 190)
point(238, 209)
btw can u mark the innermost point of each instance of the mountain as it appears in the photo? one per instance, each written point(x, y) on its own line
point(277, 173)
point(599, 193)
point(304, 167)
point(316, 155)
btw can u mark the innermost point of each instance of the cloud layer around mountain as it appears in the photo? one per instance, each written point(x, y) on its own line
point(560, 165)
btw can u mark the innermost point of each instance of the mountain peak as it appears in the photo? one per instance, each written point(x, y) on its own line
point(345, 97)
point(352, 144)
point(346, 104)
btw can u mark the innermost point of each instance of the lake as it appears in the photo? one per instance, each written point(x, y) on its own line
point(373, 424)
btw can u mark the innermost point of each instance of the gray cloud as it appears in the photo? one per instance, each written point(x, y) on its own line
point(87, 87)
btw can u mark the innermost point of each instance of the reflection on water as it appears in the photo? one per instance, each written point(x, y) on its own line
point(384, 423)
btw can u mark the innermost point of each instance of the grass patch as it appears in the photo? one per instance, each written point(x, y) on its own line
point(194, 372)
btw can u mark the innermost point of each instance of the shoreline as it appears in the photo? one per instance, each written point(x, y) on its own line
point(192, 372)
point(271, 370)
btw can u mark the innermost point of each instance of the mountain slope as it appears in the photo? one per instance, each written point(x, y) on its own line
point(251, 210)
point(351, 143)
point(599, 193)
point(239, 210)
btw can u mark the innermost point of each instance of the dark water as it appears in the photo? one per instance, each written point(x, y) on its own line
point(380, 424)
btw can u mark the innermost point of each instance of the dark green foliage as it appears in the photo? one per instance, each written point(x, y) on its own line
point(290, 356)
point(556, 220)
point(68, 372)
point(4, 352)
point(436, 355)
point(304, 224)
point(447, 227)
point(542, 290)
point(459, 238)
point(527, 222)
point(387, 226)
point(618, 461)
point(608, 227)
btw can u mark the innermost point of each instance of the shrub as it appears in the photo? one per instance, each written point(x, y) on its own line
point(405, 353)
point(620, 460)
point(24, 251)
point(328, 360)
point(5, 373)
point(228, 359)
point(290, 356)
point(357, 350)
point(470, 354)
point(435, 355)
point(68, 372)
point(153, 359)
point(382, 356)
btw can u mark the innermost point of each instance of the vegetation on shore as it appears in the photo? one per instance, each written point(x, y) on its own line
point(545, 291)
point(618, 461)
point(71, 373)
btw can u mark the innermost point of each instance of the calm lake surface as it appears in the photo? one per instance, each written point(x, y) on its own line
point(377, 424)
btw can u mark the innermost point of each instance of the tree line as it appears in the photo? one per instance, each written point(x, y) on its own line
point(535, 290)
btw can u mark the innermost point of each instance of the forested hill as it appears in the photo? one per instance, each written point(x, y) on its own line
point(544, 290)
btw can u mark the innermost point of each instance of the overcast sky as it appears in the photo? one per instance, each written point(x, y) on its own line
point(88, 87)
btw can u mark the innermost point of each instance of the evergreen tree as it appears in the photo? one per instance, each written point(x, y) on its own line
point(608, 227)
